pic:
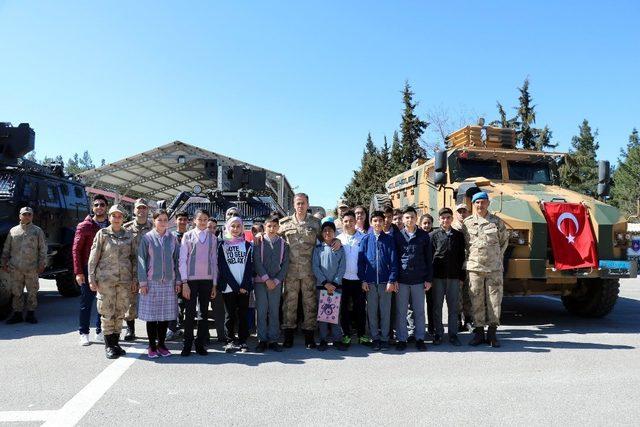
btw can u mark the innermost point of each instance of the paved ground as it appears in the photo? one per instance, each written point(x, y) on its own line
point(552, 369)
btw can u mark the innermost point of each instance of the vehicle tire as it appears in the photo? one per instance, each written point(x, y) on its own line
point(5, 296)
point(379, 202)
point(67, 286)
point(593, 298)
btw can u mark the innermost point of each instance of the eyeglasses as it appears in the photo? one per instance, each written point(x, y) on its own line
point(99, 205)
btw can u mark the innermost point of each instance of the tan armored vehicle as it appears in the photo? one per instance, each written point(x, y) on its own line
point(519, 182)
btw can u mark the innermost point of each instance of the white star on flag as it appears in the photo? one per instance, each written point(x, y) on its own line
point(571, 238)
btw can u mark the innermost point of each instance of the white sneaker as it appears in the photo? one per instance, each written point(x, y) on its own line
point(100, 337)
point(84, 340)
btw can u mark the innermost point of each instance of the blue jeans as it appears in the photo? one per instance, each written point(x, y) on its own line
point(413, 294)
point(87, 302)
point(379, 311)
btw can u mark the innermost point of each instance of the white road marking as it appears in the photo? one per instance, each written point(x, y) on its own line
point(25, 416)
point(557, 299)
point(76, 408)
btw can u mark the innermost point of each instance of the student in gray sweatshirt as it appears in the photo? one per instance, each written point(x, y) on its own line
point(329, 267)
point(271, 260)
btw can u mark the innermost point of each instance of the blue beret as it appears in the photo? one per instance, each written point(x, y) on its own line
point(480, 195)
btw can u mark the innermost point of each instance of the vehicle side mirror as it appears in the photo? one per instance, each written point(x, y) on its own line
point(440, 175)
point(604, 171)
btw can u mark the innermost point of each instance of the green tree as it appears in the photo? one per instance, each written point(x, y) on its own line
point(626, 191)
point(369, 179)
point(580, 171)
point(411, 128)
point(77, 163)
point(395, 157)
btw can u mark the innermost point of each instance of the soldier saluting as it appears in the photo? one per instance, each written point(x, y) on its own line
point(23, 257)
point(487, 239)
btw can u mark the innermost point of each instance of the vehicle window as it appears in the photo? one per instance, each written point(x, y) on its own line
point(79, 192)
point(535, 173)
point(468, 168)
point(7, 185)
point(64, 189)
point(52, 193)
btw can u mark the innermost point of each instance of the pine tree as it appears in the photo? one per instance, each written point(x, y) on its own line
point(395, 158)
point(385, 156)
point(411, 129)
point(77, 164)
point(369, 179)
point(580, 172)
point(626, 191)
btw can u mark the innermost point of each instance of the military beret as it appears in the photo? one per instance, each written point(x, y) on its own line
point(479, 196)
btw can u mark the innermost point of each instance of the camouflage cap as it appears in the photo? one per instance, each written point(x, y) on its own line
point(26, 210)
point(116, 208)
point(140, 202)
point(342, 203)
point(462, 206)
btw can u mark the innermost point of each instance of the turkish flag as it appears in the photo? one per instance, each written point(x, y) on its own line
point(571, 234)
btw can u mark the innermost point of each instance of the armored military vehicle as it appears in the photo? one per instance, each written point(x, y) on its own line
point(59, 203)
point(519, 182)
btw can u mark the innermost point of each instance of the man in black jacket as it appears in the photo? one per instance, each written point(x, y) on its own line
point(448, 274)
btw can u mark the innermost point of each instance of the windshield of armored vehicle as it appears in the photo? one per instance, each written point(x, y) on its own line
point(534, 173)
point(7, 185)
point(468, 168)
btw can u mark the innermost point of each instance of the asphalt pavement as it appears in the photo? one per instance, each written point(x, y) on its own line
point(553, 369)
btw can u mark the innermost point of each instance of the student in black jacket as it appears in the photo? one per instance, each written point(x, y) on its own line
point(448, 274)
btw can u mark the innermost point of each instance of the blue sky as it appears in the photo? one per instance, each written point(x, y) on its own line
point(296, 86)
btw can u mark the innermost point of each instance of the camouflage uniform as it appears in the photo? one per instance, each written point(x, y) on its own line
point(112, 265)
point(301, 237)
point(138, 230)
point(486, 239)
point(464, 302)
point(24, 252)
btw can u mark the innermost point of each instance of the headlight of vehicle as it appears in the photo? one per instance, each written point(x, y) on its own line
point(518, 237)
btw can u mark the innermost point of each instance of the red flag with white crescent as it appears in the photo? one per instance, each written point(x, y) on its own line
point(572, 239)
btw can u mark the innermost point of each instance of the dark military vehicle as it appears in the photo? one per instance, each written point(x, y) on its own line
point(59, 203)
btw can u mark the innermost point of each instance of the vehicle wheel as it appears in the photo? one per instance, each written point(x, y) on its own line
point(5, 296)
point(593, 298)
point(379, 202)
point(67, 286)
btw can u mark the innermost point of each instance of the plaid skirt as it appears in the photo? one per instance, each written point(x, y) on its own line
point(160, 303)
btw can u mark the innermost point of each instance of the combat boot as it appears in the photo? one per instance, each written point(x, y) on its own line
point(31, 317)
point(131, 331)
point(309, 340)
point(288, 338)
point(492, 339)
point(478, 337)
point(109, 349)
point(16, 318)
point(116, 345)
point(186, 348)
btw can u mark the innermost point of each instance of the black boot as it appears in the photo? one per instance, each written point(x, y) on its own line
point(31, 317)
point(109, 349)
point(288, 338)
point(116, 345)
point(16, 318)
point(309, 340)
point(478, 337)
point(186, 348)
point(131, 331)
point(492, 339)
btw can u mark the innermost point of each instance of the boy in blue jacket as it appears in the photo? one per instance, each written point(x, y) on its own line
point(414, 276)
point(329, 267)
point(378, 270)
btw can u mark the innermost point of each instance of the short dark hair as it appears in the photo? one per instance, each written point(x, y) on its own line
point(301, 195)
point(276, 213)
point(100, 197)
point(423, 216)
point(329, 224)
point(182, 214)
point(257, 228)
point(212, 219)
point(377, 214)
point(159, 212)
point(203, 212)
point(387, 210)
point(445, 211)
point(409, 209)
point(397, 212)
point(273, 218)
point(349, 213)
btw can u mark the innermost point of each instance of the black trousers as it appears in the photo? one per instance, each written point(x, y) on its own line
point(237, 305)
point(157, 331)
point(200, 294)
point(430, 305)
point(352, 294)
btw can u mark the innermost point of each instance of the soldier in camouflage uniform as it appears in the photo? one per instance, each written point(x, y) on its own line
point(487, 239)
point(464, 302)
point(140, 226)
point(23, 258)
point(112, 272)
point(301, 232)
